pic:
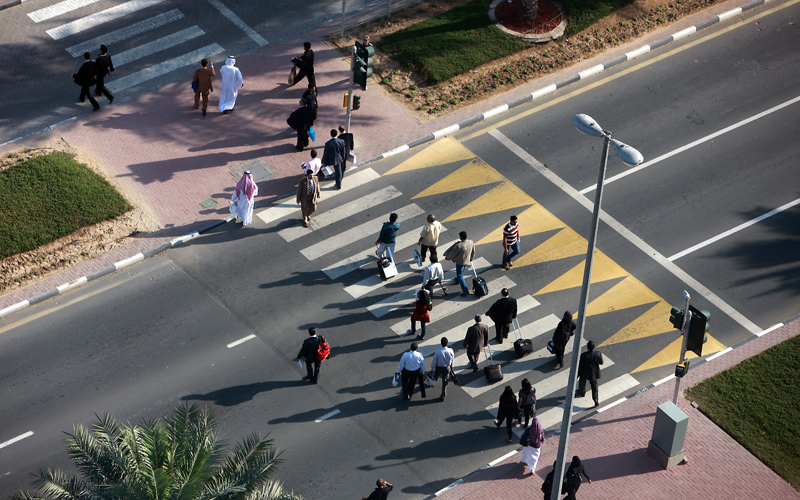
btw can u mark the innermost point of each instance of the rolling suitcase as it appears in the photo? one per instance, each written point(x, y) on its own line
point(479, 287)
point(386, 266)
point(492, 371)
point(521, 346)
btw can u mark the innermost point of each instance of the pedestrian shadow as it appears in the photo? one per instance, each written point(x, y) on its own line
point(347, 409)
point(449, 446)
point(238, 394)
point(631, 463)
point(467, 417)
point(304, 278)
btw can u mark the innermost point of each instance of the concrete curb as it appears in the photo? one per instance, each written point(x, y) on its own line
point(11, 3)
point(572, 79)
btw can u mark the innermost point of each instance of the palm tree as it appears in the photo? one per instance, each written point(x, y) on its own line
point(528, 9)
point(181, 458)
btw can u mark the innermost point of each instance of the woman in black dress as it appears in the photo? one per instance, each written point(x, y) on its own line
point(564, 330)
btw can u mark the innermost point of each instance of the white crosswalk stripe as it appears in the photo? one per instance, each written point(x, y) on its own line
point(58, 9)
point(345, 238)
point(99, 18)
point(342, 212)
point(125, 33)
point(164, 67)
point(607, 391)
point(162, 43)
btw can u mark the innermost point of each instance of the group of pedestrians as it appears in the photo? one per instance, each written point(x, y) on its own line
point(94, 72)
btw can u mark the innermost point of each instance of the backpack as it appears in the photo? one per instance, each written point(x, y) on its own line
point(323, 349)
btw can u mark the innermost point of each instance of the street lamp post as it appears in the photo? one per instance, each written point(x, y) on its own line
point(630, 156)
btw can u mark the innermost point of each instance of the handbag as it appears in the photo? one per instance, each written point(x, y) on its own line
point(351, 157)
point(311, 134)
point(195, 84)
point(453, 376)
point(292, 75)
point(327, 170)
point(525, 440)
point(551, 346)
point(233, 208)
point(430, 380)
point(396, 380)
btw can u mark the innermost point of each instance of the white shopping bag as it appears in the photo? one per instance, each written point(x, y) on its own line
point(430, 380)
point(396, 380)
point(327, 170)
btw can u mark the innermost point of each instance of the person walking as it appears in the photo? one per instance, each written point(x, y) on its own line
point(387, 237)
point(313, 164)
point(305, 64)
point(527, 401)
point(104, 66)
point(429, 237)
point(202, 76)
point(334, 155)
point(85, 78)
point(565, 329)
point(461, 254)
point(307, 195)
point(589, 369)
point(309, 99)
point(507, 410)
point(230, 82)
point(477, 338)
point(422, 308)
point(411, 369)
point(309, 352)
point(510, 242)
point(530, 452)
point(244, 196)
point(301, 120)
point(573, 478)
point(381, 492)
point(547, 485)
point(432, 275)
point(441, 365)
point(503, 312)
point(349, 145)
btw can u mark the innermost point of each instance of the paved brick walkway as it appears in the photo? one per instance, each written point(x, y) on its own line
point(613, 447)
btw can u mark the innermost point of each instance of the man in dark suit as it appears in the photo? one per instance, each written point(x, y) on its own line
point(104, 66)
point(306, 65)
point(302, 119)
point(333, 155)
point(349, 145)
point(309, 352)
point(503, 313)
point(477, 338)
point(85, 78)
point(589, 369)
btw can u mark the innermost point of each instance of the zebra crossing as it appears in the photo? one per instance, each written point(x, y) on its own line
point(399, 292)
point(70, 24)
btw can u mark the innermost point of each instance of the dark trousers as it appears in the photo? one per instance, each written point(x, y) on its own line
point(302, 139)
point(87, 92)
point(501, 332)
point(424, 250)
point(197, 96)
point(593, 384)
point(339, 174)
point(559, 353)
point(409, 379)
point(303, 73)
point(442, 374)
point(473, 359)
point(508, 417)
point(313, 371)
point(529, 412)
point(101, 88)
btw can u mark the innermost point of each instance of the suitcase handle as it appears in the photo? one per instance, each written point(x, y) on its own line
point(473, 269)
point(517, 329)
point(489, 358)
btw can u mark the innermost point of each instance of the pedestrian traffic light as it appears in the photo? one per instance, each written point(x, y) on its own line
point(698, 326)
point(676, 318)
point(363, 66)
point(356, 101)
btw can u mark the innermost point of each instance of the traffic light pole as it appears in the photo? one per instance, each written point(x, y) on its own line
point(687, 320)
point(350, 92)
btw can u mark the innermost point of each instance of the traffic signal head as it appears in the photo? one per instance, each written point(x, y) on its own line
point(356, 101)
point(698, 327)
point(363, 67)
point(676, 318)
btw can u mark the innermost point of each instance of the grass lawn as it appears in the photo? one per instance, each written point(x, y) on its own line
point(463, 38)
point(758, 404)
point(51, 196)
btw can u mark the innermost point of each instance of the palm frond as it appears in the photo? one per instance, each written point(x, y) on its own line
point(272, 490)
point(60, 485)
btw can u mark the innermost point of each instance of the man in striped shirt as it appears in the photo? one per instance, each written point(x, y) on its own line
point(510, 242)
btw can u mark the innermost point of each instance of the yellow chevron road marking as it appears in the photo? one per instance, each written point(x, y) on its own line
point(473, 174)
point(503, 197)
point(533, 220)
point(603, 269)
point(671, 354)
point(565, 243)
point(654, 322)
point(628, 293)
point(446, 150)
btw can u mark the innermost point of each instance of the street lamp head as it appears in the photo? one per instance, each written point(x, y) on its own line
point(626, 153)
point(587, 125)
point(686, 295)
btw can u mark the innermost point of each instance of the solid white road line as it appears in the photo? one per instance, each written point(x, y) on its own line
point(407, 296)
point(163, 68)
point(773, 327)
point(125, 33)
point(364, 257)
point(707, 138)
point(327, 416)
point(451, 306)
point(18, 438)
point(627, 234)
point(455, 335)
point(238, 22)
point(607, 391)
point(58, 9)
point(241, 341)
point(663, 380)
point(735, 230)
point(99, 18)
point(366, 230)
point(342, 212)
point(608, 407)
point(163, 43)
point(720, 353)
point(289, 206)
point(495, 462)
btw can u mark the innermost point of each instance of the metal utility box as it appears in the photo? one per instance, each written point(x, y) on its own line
point(669, 433)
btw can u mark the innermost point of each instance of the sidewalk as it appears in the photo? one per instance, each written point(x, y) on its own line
point(613, 447)
point(170, 158)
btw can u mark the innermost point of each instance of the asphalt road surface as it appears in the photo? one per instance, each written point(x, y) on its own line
point(177, 328)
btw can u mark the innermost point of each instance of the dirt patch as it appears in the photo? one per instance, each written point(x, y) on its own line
point(87, 243)
point(489, 80)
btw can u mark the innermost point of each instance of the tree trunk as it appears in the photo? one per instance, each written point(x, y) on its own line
point(528, 9)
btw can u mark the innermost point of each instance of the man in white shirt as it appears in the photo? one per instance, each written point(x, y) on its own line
point(411, 368)
point(314, 164)
point(442, 364)
point(433, 274)
point(429, 237)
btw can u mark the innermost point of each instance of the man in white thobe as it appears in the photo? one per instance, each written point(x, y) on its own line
point(229, 86)
point(243, 198)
